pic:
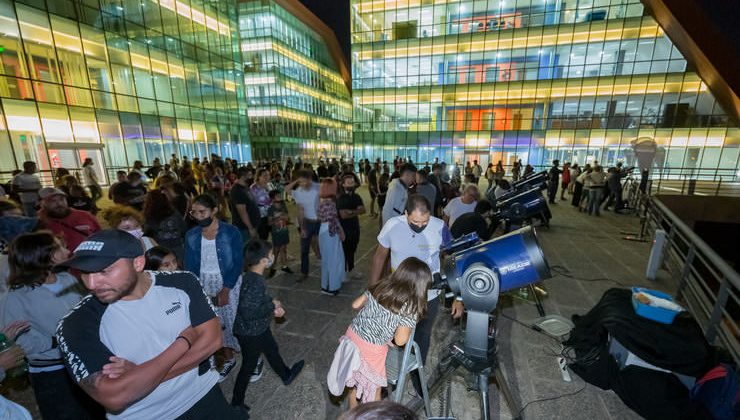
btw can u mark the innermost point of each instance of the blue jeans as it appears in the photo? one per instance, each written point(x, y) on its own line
point(312, 229)
point(594, 200)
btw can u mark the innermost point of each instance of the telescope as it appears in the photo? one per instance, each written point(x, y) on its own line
point(536, 181)
point(483, 271)
point(523, 206)
point(479, 273)
point(539, 180)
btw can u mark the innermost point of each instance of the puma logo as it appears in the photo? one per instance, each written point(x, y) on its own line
point(174, 308)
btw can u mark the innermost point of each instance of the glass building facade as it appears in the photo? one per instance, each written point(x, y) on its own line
point(297, 83)
point(119, 81)
point(534, 80)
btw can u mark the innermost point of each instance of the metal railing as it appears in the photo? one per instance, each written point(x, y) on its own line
point(689, 181)
point(719, 187)
point(706, 284)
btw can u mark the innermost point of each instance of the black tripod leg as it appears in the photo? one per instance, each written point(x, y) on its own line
point(485, 409)
point(537, 300)
point(503, 387)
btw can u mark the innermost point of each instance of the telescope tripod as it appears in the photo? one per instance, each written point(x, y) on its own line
point(483, 368)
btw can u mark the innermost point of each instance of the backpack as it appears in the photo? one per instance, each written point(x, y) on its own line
point(719, 391)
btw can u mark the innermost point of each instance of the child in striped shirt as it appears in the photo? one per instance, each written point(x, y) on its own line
point(389, 310)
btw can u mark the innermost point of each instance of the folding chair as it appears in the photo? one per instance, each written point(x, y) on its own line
point(399, 363)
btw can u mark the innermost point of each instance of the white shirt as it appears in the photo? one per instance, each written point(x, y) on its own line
point(456, 208)
point(403, 242)
point(89, 176)
point(308, 200)
point(27, 181)
point(139, 330)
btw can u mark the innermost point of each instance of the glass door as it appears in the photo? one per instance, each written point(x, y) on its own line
point(98, 163)
point(72, 158)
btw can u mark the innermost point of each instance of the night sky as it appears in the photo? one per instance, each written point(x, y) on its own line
point(335, 13)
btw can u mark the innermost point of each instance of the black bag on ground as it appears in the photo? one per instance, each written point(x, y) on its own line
point(679, 347)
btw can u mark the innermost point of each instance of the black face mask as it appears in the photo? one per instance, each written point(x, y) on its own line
point(205, 222)
point(416, 228)
point(350, 190)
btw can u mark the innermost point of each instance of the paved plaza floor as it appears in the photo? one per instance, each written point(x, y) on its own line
point(589, 249)
point(582, 246)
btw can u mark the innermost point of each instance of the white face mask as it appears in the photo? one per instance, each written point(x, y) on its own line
point(270, 262)
point(138, 233)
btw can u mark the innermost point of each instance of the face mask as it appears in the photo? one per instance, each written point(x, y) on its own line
point(350, 190)
point(137, 233)
point(205, 222)
point(416, 228)
point(270, 261)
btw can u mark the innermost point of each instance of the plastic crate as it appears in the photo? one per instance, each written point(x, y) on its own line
point(662, 315)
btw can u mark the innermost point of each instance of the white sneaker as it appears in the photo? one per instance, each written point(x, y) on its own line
point(258, 370)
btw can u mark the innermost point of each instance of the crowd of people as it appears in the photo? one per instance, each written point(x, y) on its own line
point(591, 188)
point(180, 260)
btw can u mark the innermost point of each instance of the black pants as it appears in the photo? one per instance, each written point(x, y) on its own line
point(577, 192)
point(263, 229)
point(423, 337)
point(95, 192)
point(59, 398)
point(312, 229)
point(552, 191)
point(351, 240)
point(213, 405)
point(252, 346)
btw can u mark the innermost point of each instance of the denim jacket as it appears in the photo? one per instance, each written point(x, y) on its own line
point(228, 249)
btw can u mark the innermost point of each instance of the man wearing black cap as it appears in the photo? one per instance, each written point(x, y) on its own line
point(139, 343)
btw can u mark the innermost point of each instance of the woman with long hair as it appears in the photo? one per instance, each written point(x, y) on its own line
point(213, 251)
point(42, 297)
point(331, 236)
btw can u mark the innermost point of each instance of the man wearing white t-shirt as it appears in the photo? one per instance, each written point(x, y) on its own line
point(461, 205)
point(418, 234)
point(27, 185)
point(140, 343)
point(306, 197)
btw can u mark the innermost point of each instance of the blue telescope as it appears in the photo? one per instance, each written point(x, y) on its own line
point(536, 182)
point(516, 258)
point(481, 272)
point(523, 205)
